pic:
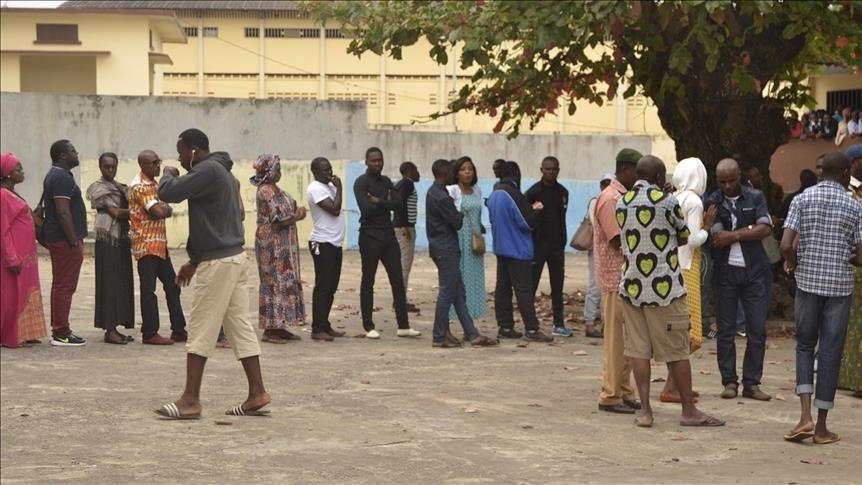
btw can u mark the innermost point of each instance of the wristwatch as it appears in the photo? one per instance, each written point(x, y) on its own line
point(750, 227)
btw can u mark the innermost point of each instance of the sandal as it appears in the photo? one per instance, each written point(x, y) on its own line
point(446, 344)
point(708, 421)
point(171, 411)
point(483, 341)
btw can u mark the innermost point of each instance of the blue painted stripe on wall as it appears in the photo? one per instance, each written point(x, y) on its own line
point(580, 193)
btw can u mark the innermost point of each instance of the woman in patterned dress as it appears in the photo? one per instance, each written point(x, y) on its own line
point(850, 376)
point(22, 320)
point(468, 201)
point(276, 246)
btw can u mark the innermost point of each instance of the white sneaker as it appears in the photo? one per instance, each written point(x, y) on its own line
point(408, 332)
point(372, 334)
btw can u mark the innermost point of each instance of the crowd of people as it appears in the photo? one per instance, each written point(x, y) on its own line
point(843, 124)
point(662, 249)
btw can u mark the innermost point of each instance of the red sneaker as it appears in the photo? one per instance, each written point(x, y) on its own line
point(158, 340)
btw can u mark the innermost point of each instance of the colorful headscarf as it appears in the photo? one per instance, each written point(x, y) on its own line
point(8, 162)
point(266, 168)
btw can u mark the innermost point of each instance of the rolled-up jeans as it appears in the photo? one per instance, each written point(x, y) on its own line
point(823, 319)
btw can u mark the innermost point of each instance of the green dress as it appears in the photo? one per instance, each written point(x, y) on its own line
point(851, 363)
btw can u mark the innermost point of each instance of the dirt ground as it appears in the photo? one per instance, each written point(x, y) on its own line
point(391, 411)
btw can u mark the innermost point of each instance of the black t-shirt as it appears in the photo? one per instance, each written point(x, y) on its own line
point(60, 183)
point(550, 228)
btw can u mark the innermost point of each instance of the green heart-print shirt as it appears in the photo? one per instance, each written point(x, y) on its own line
point(651, 226)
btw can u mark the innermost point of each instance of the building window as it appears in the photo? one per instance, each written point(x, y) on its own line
point(57, 34)
point(281, 33)
point(210, 31)
point(190, 31)
point(252, 32)
point(334, 34)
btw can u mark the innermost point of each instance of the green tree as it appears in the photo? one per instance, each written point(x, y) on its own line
point(721, 73)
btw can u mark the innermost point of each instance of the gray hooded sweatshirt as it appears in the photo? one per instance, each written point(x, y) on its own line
point(215, 217)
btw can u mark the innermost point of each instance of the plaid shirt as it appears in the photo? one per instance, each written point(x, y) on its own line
point(829, 224)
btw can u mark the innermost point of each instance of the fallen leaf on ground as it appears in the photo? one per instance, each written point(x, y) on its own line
point(359, 335)
point(679, 438)
point(527, 426)
point(471, 410)
point(780, 397)
point(580, 352)
point(522, 345)
point(568, 367)
point(705, 372)
point(773, 362)
point(658, 379)
point(365, 381)
point(534, 405)
point(595, 342)
point(224, 423)
point(813, 461)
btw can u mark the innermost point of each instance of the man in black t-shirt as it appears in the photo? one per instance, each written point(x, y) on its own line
point(65, 229)
point(549, 236)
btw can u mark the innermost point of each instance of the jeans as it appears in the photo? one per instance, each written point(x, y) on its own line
point(372, 251)
point(825, 319)
point(735, 284)
point(593, 298)
point(706, 292)
point(151, 267)
point(65, 268)
point(451, 292)
point(327, 273)
point(517, 274)
point(556, 259)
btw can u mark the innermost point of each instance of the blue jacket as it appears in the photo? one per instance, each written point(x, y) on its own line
point(512, 219)
point(751, 209)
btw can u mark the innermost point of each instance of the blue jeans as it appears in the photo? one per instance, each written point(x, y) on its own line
point(451, 292)
point(593, 298)
point(825, 319)
point(734, 285)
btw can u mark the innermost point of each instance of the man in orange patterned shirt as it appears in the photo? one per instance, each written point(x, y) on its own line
point(147, 216)
point(617, 394)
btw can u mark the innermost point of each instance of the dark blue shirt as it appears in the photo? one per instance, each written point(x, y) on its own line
point(60, 183)
point(442, 221)
point(750, 209)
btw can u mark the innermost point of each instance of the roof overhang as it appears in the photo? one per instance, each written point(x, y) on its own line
point(44, 52)
point(160, 58)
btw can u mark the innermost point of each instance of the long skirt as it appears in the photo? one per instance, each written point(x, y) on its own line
point(691, 278)
point(115, 290)
point(851, 363)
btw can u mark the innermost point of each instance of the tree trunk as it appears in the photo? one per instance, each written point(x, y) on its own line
point(746, 128)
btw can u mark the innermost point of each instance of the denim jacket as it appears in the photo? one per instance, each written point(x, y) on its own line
point(751, 209)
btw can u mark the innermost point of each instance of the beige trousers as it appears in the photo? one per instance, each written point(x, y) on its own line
point(406, 237)
point(616, 372)
point(221, 299)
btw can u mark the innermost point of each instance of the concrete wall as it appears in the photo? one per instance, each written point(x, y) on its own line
point(297, 130)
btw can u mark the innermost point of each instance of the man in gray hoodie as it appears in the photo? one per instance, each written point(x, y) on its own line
point(216, 255)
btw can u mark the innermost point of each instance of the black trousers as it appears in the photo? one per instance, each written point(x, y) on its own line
point(556, 260)
point(327, 273)
point(373, 251)
point(517, 274)
point(149, 268)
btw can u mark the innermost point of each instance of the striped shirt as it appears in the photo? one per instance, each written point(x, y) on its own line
point(149, 237)
point(829, 224)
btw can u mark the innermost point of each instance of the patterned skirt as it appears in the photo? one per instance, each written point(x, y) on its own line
point(691, 278)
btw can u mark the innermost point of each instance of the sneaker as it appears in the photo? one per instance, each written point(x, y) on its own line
point(509, 333)
point(70, 340)
point(562, 331)
point(538, 336)
point(408, 332)
point(741, 333)
point(372, 334)
point(711, 334)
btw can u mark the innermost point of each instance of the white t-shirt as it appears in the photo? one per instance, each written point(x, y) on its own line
point(735, 258)
point(327, 228)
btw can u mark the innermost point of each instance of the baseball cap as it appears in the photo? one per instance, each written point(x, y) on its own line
point(629, 155)
point(607, 176)
point(855, 151)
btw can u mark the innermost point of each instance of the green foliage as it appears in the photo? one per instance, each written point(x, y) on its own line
point(531, 56)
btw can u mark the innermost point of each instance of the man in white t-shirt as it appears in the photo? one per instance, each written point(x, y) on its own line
point(324, 201)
